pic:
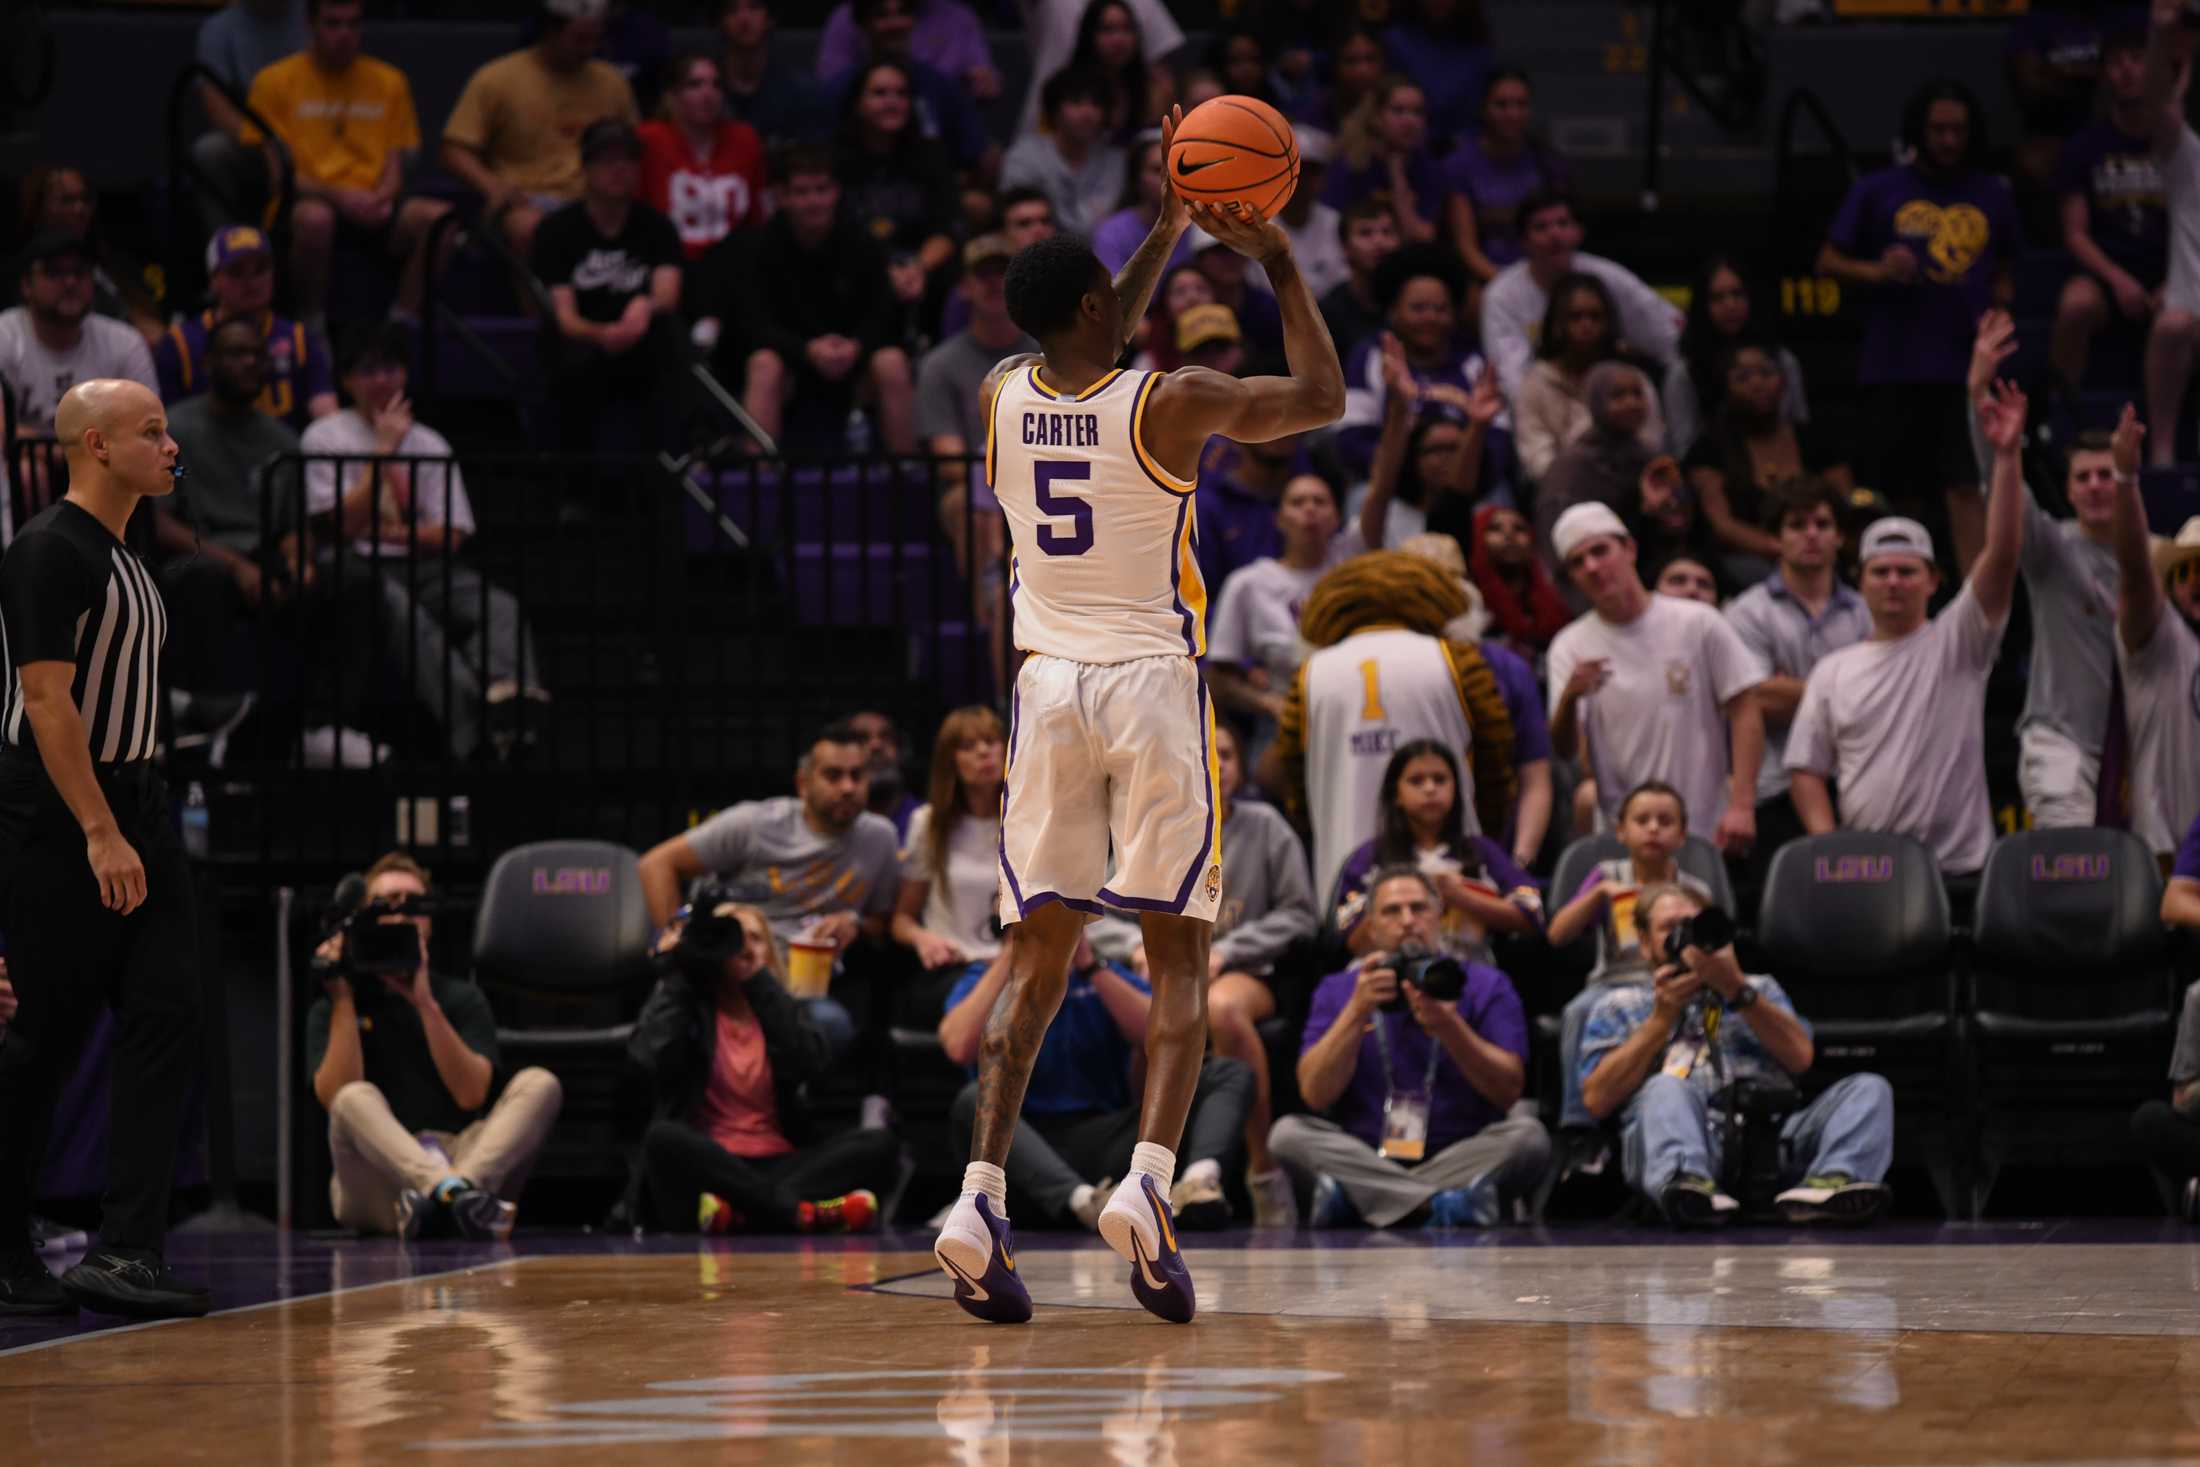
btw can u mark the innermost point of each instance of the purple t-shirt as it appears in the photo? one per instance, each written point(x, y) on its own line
point(1516, 682)
point(1120, 235)
point(1500, 873)
point(2127, 212)
point(1235, 526)
point(1348, 185)
point(1456, 1109)
point(2188, 855)
point(1961, 230)
point(1495, 189)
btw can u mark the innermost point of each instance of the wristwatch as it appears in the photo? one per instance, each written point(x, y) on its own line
point(1744, 998)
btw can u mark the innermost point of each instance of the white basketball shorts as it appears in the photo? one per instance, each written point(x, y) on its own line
point(1102, 753)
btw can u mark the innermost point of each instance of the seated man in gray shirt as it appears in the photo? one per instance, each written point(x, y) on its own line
point(2070, 574)
point(216, 568)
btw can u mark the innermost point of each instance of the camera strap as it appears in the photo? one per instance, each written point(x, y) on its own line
point(1390, 1078)
point(1405, 1117)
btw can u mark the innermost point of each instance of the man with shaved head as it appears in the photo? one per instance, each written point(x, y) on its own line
point(94, 894)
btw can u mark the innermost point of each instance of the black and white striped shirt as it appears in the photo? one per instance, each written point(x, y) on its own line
point(71, 592)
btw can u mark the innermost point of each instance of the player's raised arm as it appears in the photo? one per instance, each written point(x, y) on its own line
point(1135, 282)
point(1193, 403)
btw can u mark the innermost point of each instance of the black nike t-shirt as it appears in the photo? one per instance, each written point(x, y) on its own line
point(604, 272)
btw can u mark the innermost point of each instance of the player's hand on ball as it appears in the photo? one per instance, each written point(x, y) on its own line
point(1242, 230)
point(1173, 212)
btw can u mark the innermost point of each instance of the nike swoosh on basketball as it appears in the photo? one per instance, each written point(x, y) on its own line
point(1185, 168)
point(977, 1290)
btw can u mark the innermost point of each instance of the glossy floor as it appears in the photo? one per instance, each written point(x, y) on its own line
point(2009, 1344)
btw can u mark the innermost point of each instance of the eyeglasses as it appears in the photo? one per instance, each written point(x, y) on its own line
point(2183, 571)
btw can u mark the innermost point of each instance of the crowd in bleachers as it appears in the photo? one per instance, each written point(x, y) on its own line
point(1577, 563)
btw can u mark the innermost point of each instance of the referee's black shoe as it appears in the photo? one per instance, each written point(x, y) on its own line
point(25, 1286)
point(136, 1282)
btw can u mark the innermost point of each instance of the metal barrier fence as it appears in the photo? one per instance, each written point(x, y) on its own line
point(615, 647)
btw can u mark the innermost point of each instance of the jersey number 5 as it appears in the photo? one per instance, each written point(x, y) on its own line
point(1063, 506)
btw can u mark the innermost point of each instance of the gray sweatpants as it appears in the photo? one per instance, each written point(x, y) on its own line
point(1519, 1149)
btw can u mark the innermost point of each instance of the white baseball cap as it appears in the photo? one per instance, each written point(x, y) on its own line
point(1583, 523)
point(1896, 535)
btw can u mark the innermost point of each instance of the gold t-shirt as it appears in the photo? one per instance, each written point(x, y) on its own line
point(341, 126)
point(526, 120)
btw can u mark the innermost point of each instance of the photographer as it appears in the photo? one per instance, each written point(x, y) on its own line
point(1417, 1063)
point(405, 1063)
point(727, 1049)
point(1660, 1053)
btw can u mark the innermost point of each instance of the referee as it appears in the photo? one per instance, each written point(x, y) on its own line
point(95, 897)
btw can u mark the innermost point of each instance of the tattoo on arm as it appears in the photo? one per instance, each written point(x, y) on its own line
point(1134, 285)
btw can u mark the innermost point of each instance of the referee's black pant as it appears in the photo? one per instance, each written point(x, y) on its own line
point(67, 956)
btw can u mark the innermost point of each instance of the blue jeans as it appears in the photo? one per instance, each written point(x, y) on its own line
point(1667, 1131)
point(833, 1020)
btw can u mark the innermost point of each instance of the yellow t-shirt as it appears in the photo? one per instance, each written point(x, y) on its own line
point(526, 120)
point(341, 126)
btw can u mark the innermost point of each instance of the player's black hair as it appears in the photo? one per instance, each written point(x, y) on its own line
point(1047, 281)
point(1945, 89)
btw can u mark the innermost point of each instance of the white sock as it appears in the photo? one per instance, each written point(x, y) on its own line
point(1158, 1162)
point(1207, 1169)
point(984, 1176)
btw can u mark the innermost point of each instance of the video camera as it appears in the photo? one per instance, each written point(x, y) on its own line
point(709, 936)
point(1438, 977)
point(373, 947)
point(1710, 930)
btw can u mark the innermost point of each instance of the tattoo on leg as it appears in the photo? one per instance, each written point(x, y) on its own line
point(1013, 1033)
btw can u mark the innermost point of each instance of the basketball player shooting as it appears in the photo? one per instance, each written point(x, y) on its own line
point(1110, 732)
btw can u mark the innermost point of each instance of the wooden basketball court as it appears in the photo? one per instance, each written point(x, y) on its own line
point(1963, 1346)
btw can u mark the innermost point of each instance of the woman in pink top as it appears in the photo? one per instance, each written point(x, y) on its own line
point(727, 1050)
point(700, 169)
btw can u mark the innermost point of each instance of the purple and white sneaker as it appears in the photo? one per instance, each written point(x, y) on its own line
point(974, 1249)
point(1137, 1224)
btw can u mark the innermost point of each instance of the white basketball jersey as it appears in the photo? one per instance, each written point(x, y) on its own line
point(1366, 697)
point(1102, 568)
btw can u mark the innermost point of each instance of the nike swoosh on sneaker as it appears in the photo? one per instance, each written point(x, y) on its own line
point(978, 1294)
point(1138, 1248)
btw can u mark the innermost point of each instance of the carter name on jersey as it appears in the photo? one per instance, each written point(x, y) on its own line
point(1061, 430)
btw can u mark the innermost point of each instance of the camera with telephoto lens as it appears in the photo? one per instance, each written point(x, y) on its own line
point(709, 936)
point(373, 947)
point(1438, 977)
point(1710, 930)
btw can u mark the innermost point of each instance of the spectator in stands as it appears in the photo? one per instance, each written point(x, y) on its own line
point(1688, 578)
point(951, 415)
point(1072, 159)
point(240, 269)
point(945, 35)
point(1022, 215)
point(781, 104)
point(639, 46)
point(1243, 287)
point(1253, 643)
point(2053, 58)
point(1896, 721)
point(1352, 310)
point(1238, 56)
point(1383, 149)
point(817, 864)
point(53, 340)
point(950, 859)
point(1661, 688)
point(612, 266)
point(1412, 1114)
point(700, 168)
point(1652, 827)
point(1580, 329)
point(471, 651)
point(1791, 619)
point(1421, 291)
point(1241, 488)
point(937, 105)
point(1267, 908)
point(1315, 228)
point(514, 135)
point(1608, 461)
point(2177, 154)
point(1385, 672)
point(1183, 289)
point(730, 1148)
point(1930, 243)
point(813, 314)
point(1657, 1055)
point(1207, 336)
point(1515, 303)
point(406, 1068)
point(2115, 220)
point(1079, 1121)
point(1723, 311)
point(883, 750)
point(59, 199)
point(1752, 447)
point(1123, 42)
point(236, 43)
point(1431, 460)
point(1522, 691)
point(2158, 654)
point(2070, 577)
point(1524, 605)
point(1356, 62)
point(218, 567)
point(895, 184)
point(348, 122)
point(1480, 889)
point(1145, 189)
point(1498, 163)
point(1445, 46)
point(2169, 1133)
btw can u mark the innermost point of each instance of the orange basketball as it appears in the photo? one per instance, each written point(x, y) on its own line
point(1235, 148)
